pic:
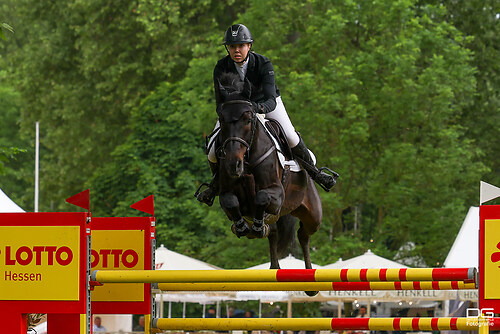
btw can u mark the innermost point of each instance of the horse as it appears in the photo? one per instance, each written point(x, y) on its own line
point(257, 194)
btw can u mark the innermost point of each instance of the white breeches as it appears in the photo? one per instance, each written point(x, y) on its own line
point(280, 115)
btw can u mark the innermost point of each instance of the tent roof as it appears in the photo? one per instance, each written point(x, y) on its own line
point(368, 260)
point(7, 205)
point(288, 262)
point(166, 259)
point(465, 250)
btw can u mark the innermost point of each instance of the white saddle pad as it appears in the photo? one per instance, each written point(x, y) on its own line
point(294, 166)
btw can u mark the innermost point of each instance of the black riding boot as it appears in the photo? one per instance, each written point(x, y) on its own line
point(207, 196)
point(326, 181)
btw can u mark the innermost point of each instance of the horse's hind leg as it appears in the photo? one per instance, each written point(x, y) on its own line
point(310, 215)
point(230, 204)
point(304, 239)
point(273, 246)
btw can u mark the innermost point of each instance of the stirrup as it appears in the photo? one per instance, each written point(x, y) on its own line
point(334, 175)
point(207, 201)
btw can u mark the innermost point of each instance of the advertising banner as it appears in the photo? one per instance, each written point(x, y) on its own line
point(40, 265)
point(122, 243)
point(118, 250)
point(489, 257)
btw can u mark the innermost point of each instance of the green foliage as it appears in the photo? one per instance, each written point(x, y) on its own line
point(5, 26)
point(479, 21)
point(7, 153)
point(82, 66)
point(8, 103)
point(378, 91)
point(16, 159)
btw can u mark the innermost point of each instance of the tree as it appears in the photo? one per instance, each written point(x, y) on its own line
point(479, 21)
point(82, 66)
point(15, 151)
point(378, 90)
point(8, 101)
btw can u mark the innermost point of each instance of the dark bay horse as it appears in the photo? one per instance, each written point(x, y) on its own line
point(256, 193)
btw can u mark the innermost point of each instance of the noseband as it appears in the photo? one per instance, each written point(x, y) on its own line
point(222, 149)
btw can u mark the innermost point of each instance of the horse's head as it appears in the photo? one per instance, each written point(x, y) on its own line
point(237, 120)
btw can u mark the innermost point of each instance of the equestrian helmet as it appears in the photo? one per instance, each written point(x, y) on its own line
point(237, 34)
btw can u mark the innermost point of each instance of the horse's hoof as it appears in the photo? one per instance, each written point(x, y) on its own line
point(240, 231)
point(311, 293)
point(260, 231)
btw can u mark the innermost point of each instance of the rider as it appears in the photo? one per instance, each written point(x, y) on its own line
point(266, 99)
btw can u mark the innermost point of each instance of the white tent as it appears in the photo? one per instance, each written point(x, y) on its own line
point(7, 205)
point(166, 259)
point(368, 260)
point(288, 262)
point(465, 250)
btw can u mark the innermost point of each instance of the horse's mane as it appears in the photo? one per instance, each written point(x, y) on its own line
point(231, 83)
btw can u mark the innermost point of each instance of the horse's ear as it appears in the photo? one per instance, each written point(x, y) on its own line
point(247, 89)
point(221, 91)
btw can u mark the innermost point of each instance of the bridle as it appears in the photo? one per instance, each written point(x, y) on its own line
point(221, 151)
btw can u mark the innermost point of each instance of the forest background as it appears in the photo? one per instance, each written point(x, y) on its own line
point(400, 97)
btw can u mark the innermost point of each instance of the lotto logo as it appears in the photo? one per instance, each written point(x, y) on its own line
point(114, 258)
point(41, 255)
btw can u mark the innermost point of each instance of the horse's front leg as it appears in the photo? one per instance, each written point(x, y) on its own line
point(262, 200)
point(231, 206)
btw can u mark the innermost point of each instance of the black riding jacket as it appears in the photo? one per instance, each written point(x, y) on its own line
point(260, 73)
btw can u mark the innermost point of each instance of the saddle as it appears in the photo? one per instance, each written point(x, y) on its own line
point(276, 131)
point(285, 155)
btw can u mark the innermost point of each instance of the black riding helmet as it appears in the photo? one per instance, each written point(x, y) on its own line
point(237, 34)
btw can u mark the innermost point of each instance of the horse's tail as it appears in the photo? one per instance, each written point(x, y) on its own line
point(286, 233)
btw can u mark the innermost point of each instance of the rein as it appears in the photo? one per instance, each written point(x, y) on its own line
point(222, 149)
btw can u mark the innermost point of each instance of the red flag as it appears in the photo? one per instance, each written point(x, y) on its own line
point(145, 205)
point(81, 199)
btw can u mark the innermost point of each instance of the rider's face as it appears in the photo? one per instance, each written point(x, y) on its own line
point(238, 52)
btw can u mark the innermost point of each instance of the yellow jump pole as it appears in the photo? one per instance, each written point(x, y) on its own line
point(285, 275)
point(179, 276)
point(316, 286)
point(294, 324)
point(226, 324)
